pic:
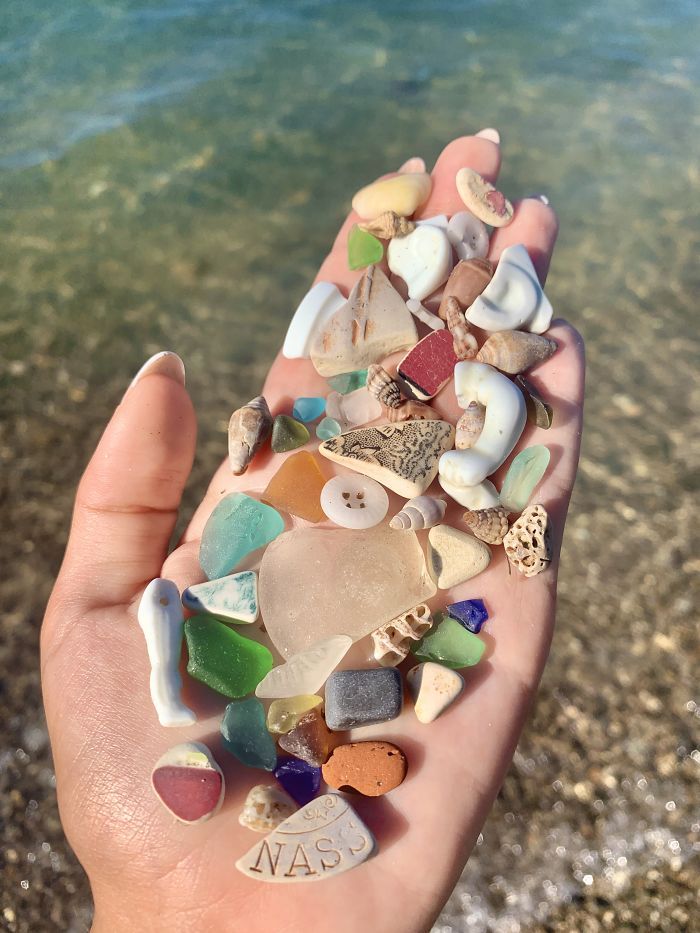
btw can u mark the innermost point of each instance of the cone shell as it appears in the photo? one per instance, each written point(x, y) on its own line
point(388, 225)
point(248, 429)
point(382, 386)
point(411, 410)
point(528, 543)
point(489, 525)
point(514, 351)
point(463, 341)
point(421, 512)
point(470, 426)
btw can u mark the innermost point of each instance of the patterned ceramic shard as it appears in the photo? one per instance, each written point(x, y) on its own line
point(322, 839)
point(234, 597)
point(222, 659)
point(237, 526)
point(524, 473)
point(296, 487)
point(315, 583)
point(372, 324)
point(404, 457)
point(244, 734)
point(307, 670)
point(188, 782)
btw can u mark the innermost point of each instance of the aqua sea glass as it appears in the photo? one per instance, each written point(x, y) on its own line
point(309, 408)
point(449, 643)
point(363, 249)
point(524, 473)
point(222, 659)
point(348, 382)
point(237, 526)
point(328, 428)
point(245, 734)
point(288, 434)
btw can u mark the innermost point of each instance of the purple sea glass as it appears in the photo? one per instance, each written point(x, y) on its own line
point(301, 780)
point(471, 613)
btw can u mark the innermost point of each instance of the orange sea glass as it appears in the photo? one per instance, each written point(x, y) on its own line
point(296, 487)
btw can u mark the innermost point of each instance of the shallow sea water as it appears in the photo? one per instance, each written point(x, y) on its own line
point(170, 176)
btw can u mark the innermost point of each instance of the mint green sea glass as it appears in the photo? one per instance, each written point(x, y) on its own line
point(348, 382)
point(222, 659)
point(449, 643)
point(288, 434)
point(237, 526)
point(245, 734)
point(327, 428)
point(363, 249)
point(524, 473)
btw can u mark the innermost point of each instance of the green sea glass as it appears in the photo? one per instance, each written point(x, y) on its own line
point(288, 434)
point(222, 659)
point(245, 734)
point(237, 526)
point(524, 473)
point(449, 643)
point(348, 382)
point(363, 249)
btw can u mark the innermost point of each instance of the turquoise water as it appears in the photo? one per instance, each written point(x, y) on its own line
point(170, 177)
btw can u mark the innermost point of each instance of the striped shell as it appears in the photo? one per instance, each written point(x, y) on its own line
point(514, 351)
point(382, 386)
point(470, 426)
point(463, 341)
point(421, 512)
point(489, 525)
point(388, 225)
point(248, 429)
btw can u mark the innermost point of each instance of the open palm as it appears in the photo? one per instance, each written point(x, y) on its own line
point(148, 872)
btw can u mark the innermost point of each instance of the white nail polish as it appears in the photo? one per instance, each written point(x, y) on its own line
point(491, 134)
point(161, 619)
point(165, 363)
point(415, 164)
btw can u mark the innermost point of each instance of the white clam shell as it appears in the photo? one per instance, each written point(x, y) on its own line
point(514, 298)
point(305, 672)
point(423, 259)
point(319, 304)
point(354, 501)
point(468, 235)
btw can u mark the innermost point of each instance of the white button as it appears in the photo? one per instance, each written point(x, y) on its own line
point(354, 501)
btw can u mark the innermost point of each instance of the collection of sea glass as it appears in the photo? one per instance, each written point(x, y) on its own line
point(332, 572)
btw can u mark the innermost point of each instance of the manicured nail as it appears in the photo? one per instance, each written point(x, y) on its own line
point(415, 164)
point(490, 133)
point(539, 197)
point(165, 363)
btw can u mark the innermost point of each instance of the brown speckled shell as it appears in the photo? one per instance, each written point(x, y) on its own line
point(489, 525)
point(528, 543)
point(388, 225)
point(248, 429)
point(382, 386)
point(514, 351)
point(463, 341)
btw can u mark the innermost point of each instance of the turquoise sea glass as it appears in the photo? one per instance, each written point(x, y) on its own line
point(309, 409)
point(245, 734)
point(237, 526)
point(327, 428)
point(348, 382)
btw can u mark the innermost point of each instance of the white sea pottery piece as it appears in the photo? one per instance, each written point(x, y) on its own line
point(314, 310)
point(481, 496)
point(161, 619)
point(233, 597)
point(468, 235)
point(422, 313)
point(433, 687)
point(354, 501)
point(423, 259)
point(514, 298)
point(307, 671)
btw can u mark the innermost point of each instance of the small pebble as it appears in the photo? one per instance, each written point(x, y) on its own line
point(300, 779)
point(402, 194)
point(370, 768)
point(363, 249)
point(309, 408)
point(353, 501)
point(468, 236)
point(449, 643)
point(188, 782)
point(454, 556)
point(434, 687)
point(362, 697)
point(471, 613)
point(244, 734)
point(288, 434)
point(265, 807)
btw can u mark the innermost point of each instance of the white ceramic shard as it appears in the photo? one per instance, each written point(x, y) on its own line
point(234, 597)
point(353, 409)
point(161, 619)
point(316, 582)
point(427, 317)
point(468, 235)
point(315, 308)
point(433, 687)
point(307, 671)
point(322, 839)
point(455, 556)
point(354, 501)
point(481, 496)
point(513, 299)
point(423, 259)
point(504, 422)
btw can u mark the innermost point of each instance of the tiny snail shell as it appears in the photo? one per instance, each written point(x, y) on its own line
point(421, 512)
point(388, 225)
point(382, 386)
point(470, 426)
point(464, 342)
point(489, 525)
point(248, 429)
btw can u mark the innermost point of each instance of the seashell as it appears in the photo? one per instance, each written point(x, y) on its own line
point(489, 525)
point(469, 426)
point(539, 412)
point(388, 225)
point(402, 194)
point(411, 410)
point(528, 543)
point(382, 386)
point(420, 512)
point(463, 341)
point(392, 641)
point(513, 351)
point(248, 429)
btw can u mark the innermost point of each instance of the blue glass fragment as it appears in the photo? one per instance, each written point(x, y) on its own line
point(309, 408)
point(301, 780)
point(471, 613)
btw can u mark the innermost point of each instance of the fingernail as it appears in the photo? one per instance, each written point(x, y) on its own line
point(539, 197)
point(165, 363)
point(490, 133)
point(415, 164)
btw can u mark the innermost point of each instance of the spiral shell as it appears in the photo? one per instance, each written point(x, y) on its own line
point(489, 525)
point(528, 543)
point(382, 386)
point(514, 351)
point(421, 512)
point(248, 429)
point(463, 341)
point(411, 410)
point(470, 426)
point(388, 225)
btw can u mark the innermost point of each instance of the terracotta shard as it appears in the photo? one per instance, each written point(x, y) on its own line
point(429, 365)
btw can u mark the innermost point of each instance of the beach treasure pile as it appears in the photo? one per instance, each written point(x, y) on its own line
point(322, 601)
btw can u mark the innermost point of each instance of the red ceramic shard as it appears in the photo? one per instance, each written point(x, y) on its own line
point(429, 365)
point(188, 782)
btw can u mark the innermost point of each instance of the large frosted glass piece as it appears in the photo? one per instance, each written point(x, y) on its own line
point(316, 582)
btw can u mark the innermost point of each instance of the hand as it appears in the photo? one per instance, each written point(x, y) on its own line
point(148, 872)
